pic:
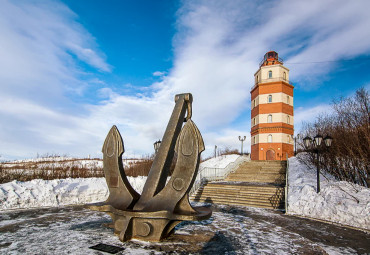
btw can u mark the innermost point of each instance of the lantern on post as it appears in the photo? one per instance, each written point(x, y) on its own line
point(316, 144)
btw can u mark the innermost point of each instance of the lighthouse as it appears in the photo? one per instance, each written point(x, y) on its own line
point(272, 122)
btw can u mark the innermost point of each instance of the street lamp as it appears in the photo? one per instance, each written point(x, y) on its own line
point(316, 144)
point(242, 140)
point(156, 146)
point(215, 150)
point(295, 143)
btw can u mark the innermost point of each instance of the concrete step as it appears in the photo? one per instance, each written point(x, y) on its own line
point(254, 183)
point(243, 192)
point(251, 204)
point(264, 170)
point(254, 191)
point(252, 175)
point(258, 180)
point(268, 200)
point(243, 188)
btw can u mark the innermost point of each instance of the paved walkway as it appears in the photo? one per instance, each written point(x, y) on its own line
point(231, 230)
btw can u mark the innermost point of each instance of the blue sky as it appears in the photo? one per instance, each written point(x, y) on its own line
point(69, 70)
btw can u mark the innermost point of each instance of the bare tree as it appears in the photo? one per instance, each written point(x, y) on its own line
point(348, 158)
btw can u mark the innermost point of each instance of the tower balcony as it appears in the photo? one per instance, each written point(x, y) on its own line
point(275, 79)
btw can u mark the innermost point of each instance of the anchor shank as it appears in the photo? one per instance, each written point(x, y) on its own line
point(163, 159)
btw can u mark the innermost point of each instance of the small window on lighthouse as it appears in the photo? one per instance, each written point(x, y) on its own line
point(270, 74)
point(270, 99)
point(287, 99)
point(284, 75)
point(269, 139)
point(287, 119)
point(254, 140)
point(269, 118)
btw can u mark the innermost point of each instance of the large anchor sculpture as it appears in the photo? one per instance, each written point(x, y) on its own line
point(153, 215)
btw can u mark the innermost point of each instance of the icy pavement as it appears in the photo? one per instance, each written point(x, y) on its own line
point(230, 230)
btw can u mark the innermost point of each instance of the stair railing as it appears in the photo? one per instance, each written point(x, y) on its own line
point(286, 183)
point(206, 174)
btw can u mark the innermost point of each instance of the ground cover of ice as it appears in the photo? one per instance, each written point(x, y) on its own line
point(230, 230)
point(338, 201)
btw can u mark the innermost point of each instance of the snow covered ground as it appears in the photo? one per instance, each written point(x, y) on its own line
point(230, 230)
point(44, 193)
point(220, 161)
point(338, 201)
point(52, 193)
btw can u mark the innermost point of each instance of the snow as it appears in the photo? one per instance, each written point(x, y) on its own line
point(220, 161)
point(53, 193)
point(230, 230)
point(338, 201)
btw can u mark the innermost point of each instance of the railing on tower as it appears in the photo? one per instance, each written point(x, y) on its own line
point(271, 80)
point(278, 59)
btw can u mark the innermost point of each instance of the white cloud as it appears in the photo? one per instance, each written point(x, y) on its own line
point(302, 115)
point(217, 50)
point(159, 73)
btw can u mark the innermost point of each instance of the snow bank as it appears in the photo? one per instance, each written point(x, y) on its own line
point(43, 193)
point(53, 193)
point(220, 161)
point(338, 201)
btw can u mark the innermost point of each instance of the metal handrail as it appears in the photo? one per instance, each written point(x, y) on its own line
point(279, 59)
point(215, 174)
point(286, 183)
point(271, 80)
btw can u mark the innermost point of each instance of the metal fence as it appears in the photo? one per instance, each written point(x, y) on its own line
point(286, 183)
point(206, 174)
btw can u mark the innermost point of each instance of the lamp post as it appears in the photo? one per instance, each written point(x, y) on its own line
point(215, 150)
point(295, 143)
point(156, 146)
point(242, 139)
point(315, 143)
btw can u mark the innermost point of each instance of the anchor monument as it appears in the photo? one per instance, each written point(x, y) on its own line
point(153, 215)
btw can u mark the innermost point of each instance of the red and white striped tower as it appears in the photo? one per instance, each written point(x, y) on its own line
point(272, 123)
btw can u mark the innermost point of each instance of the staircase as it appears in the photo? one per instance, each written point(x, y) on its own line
point(254, 183)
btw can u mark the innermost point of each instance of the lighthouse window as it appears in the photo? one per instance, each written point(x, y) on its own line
point(270, 99)
point(284, 75)
point(269, 139)
point(288, 119)
point(270, 74)
point(254, 140)
point(269, 118)
point(287, 99)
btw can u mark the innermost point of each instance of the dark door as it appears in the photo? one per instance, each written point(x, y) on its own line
point(270, 155)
